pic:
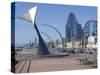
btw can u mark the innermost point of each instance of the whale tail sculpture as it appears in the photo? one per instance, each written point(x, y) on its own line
point(30, 17)
point(43, 50)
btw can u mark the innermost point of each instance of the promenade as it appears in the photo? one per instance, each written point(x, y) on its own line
point(45, 64)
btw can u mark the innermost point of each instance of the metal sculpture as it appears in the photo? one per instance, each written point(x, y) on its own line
point(47, 36)
point(57, 32)
point(43, 50)
point(90, 28)
point(31, 17)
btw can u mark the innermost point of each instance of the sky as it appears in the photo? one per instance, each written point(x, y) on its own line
point(53, 14)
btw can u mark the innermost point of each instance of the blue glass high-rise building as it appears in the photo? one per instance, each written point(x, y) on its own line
point(73, 30)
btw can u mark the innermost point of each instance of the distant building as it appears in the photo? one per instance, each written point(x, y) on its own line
point(31, 44)
point(92, 42)
point(73, 30)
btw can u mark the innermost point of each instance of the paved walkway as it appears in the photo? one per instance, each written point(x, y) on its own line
point(50, 64)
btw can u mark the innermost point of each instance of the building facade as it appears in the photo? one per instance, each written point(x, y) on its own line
point(73, 30)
